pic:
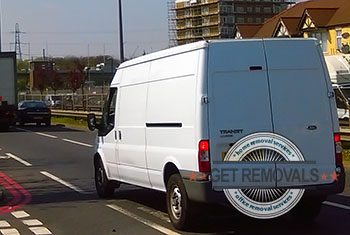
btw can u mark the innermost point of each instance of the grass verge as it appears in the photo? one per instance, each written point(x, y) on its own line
point(69, 121)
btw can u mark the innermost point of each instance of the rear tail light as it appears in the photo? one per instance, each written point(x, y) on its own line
point(9, 113)
point(203, 156)
point(338, 150)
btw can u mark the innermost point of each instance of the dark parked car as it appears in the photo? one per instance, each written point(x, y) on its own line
point(34, 112)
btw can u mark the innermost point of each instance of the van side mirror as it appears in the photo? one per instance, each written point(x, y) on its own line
point(91, 120)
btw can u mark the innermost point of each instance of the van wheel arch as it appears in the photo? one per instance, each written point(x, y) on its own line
point(169, 170)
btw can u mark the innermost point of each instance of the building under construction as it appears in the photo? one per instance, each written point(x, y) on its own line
point(194, 20)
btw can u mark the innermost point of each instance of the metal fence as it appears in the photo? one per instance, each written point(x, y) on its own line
point(73, 102)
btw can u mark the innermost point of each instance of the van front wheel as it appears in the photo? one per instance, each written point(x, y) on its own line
point(104, 187)
point(178, 203)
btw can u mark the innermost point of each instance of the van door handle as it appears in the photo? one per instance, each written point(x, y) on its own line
point(312, 128)
point(120, 135)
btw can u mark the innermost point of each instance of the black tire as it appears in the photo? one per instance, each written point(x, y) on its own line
point(104, 187)
point(307, 210)
point(21, 122)
point(178, 204)
point(48, 123)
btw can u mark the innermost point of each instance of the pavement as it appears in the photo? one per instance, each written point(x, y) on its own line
point(48, 173)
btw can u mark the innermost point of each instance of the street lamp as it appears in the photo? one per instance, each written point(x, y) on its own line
point(121, 37)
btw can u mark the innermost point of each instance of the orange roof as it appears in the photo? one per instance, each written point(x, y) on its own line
point(291, 24)
point(248, 30)
point(321, 16)
point(333, 12)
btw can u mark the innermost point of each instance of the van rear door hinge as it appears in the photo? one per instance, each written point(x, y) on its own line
point(205, 99)
point(331, 94)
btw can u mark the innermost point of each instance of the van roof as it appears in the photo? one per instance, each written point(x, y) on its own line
point(190, 47)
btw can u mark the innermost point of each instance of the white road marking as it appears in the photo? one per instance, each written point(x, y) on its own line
point(4, 157)
point(32, 222)
point(20, 214)
point(142, 220)
point(55, 178)
point(46, 135)
point(336, 205)
point(21, 129)
point(4, 224)
point(19, 159)
point(9, 231)
point(40, 230)
point(79, 143)
point(160, 215)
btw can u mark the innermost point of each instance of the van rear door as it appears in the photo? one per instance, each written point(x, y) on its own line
point(301, 107)
point(239, 100)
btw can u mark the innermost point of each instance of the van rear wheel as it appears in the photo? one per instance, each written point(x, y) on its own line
point(104, 187)
point(178, 204)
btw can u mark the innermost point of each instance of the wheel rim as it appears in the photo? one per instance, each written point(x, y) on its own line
point(176, 202)
point(100, 176)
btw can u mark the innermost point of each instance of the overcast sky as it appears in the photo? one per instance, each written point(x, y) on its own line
point(70, 27)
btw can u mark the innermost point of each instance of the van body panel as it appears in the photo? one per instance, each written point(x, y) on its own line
point(301, 108)
point(171, 105)
point(131, 129)
point(239, 101)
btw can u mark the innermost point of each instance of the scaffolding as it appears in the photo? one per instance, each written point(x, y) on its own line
point(194, 20)
point(172, 32)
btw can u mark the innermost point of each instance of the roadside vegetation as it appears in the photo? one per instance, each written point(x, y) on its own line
point(68, 121)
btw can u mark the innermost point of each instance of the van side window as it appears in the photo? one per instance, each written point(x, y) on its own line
point(109, 110)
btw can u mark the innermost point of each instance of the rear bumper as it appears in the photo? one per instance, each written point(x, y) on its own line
point(32, 118)
point(201, 191)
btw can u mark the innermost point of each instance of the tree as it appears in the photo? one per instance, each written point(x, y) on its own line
point(56, 81)
point(74, 80)
point(40, 77)
point(79, 64)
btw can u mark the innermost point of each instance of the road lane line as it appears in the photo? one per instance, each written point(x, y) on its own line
point(4, 224)
point(20, 214)
point(32, 222)
point(19, 159)
point(55, 178)
point(46, 135)
point(142, 220)
point(9, 231)
point(40, 230)
point(79, 143)
point(21, 129)
point(336, 205)
point(160, 215)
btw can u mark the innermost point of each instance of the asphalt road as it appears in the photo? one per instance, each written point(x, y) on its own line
point(47, 176)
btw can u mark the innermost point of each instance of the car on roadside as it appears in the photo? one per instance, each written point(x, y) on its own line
point(53, 101)
point(34, 111)
point(341, 92)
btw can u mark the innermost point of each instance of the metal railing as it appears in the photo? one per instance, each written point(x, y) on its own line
point(69, 102)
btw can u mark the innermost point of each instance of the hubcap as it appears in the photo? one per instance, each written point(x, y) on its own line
point(100, 179)
point(175, 202)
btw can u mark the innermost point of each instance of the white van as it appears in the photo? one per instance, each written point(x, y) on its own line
point(248, 123)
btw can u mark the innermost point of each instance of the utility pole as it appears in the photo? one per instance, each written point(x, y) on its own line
point(0, 25)
point(18, 48)
point(121, 32)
